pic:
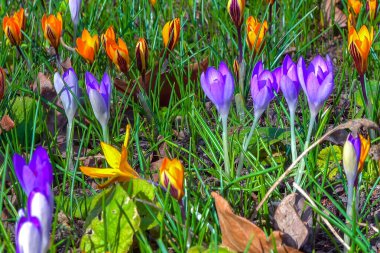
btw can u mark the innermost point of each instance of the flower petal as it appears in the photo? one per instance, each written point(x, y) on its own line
point(112, 155)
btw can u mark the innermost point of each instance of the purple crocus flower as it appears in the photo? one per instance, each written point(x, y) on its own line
point(317, 81)
point(351, 157)
point(33, 229)
point(263, 85)
point(287, 78)
point(218, 85)
point(74, 10)
point(67, 89)
point(100, 96)
point(37, 174)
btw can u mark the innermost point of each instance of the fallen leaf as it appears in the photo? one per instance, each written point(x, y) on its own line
point(340, 18)
point(46, 87)
point(168, 81)
point(66, 64)
point(7, 123)
point(238, 232)
point(294, 220)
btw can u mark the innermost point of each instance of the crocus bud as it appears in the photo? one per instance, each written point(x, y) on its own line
point(317, 81)
point(37, 173)
point(100, 97)
point(236, 68)
point(28, 235)
point(354, 6)
point(371, 7)
point(364, 150)
point(170, 33)
point(142, 55)
point(351, 157)
point(13, 26)
point(153, 2)
point(108, 36)
point(118, 53)
point(2, 83)
point(263, 85)
point(236, 10)
point(286, 76)
point(67, 89)
point(172, 173)
point(359, 45)
point(218, 85)
point(255, 34)
point(87, 46)
point(52, 27)
point(75, 10)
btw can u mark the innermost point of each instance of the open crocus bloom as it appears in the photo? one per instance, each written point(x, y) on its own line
point(52, 27)
point(12, 27)
point(118, 54)
point(359, 45)
point(87, 46)
point(317, 81)
point(120, 170)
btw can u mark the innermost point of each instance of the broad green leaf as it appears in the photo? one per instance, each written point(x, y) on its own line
point(328, 158)
point(116, 226)
point(143, 191)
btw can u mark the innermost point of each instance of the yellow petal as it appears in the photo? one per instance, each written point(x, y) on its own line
point(128, 130)
point(112, 155)
point(99, 173)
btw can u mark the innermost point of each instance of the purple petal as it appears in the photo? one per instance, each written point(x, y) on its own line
point(19, 164)
point(357, 145)
point(277, 73)
point(292, 73)
point(312, 92)
point(40, 163)
point(302, 74)
point(91, 82)
point(258, 68)
point(99, 106)
point(28, 235)
point(326, 88)
point(262, 99)
point(223, 68)
point(105, 89)
point(71, 80)
point(290, 90)
point(329, 63)
point(74, 10)
point(319, 64)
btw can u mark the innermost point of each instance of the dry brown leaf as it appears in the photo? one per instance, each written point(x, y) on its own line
point(238, 232)
point(340, 18)
point(66, 64)
point(7, 123)
point(46, 87)
point(168, 81)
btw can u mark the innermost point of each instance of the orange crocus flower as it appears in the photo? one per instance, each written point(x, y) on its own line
point(355, 6)
point(170, 33)
point(142, 55)
point(52, 27)
point(256, 33)
point(13, 26)
point(172, 173)
point(118, 53)
point(371, 7)
point(120, 170)
point(364, 150)
point(359, 45)
point(108, 35)
point(87, 46)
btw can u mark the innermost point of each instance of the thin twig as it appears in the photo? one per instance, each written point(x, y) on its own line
point(328, 224)
point(354, 125)
point(67, 46)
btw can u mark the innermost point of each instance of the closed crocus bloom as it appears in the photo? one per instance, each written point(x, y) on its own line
point(2, 83)
point(52, 27)
point(172, 173)
point(270, 1)
point(37, 174)
point(354, 6)
point(153, 2)
point(365, 147)
point(255, 34)
point(170, 33)
point(351, 157)
point(359, 45)
point(263, 85)
point(142, 55)
point(109, 35)
point(286, 76)
point(119, 55)
point(13, 26)
point(28, 235)
point(75, 10)
point(371, 7)
point(68, 91)
point(317, 81)
point(218, 85)
point(236, 10)
point(87, 46)
point(100, 97)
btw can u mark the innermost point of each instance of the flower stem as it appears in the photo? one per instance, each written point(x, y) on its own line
point(24, 56)
point(225, 145)
point(302, 165)
point(240, 44)
point(245, 144)
point(293, 134)
point(349, 210)
point(69, 145)
point(364, 91)
point(105, 134)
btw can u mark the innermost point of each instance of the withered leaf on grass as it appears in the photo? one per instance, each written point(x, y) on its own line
point(7, 123)
point(168, 81)
point(238, 232)
point(340, 18)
